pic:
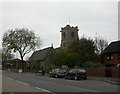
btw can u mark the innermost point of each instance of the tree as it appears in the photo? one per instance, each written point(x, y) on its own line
point(85, 49)
point(100, 44)
point(66, 57)
point(6, 56)
point(80, 53)
point(21, 40)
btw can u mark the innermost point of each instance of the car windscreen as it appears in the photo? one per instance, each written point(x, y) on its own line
point(76, 70)
point(62, 70)
point(55, 70)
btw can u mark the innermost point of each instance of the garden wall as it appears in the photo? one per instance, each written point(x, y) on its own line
point(101, 72)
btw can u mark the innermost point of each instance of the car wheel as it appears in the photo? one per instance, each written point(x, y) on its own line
point(56, 76)
point(65, 77)
point(75, 78)
point(85, 78)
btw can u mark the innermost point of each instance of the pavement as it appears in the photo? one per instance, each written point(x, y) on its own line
point(111, 80)
point(11, 85)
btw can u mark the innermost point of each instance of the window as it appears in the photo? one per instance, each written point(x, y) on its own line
point(64, 35)
point(109, 56)
point(72, 34)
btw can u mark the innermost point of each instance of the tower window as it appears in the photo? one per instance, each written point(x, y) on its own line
point(64, 35)
point(72, 34)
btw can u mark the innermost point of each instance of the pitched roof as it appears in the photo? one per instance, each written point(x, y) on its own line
point(40, 54)
point(112, 47)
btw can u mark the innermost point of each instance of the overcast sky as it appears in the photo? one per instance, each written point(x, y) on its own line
point(47, 18)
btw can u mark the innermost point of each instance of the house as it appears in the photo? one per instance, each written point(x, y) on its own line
point(42, 59)
point(111, 57)
point(17, 63)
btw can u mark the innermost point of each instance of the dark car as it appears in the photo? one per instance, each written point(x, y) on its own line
point(76, 74)
point(59, 72)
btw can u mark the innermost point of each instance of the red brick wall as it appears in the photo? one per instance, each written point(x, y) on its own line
point(101, 72)
point(96, 72)
point(116, 73)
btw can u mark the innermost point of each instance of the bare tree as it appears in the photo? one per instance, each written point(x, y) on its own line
point(100, 44)
point(21, 40)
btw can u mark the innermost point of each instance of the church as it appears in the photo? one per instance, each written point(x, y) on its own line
point(44, 57)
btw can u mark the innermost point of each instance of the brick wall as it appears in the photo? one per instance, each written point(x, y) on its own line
point(100, 72)
point(116, 72)
point(96, 72)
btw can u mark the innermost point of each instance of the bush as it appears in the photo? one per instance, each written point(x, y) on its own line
point(92, 64)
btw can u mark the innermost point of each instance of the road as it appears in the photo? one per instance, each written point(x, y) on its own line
point(54, 85)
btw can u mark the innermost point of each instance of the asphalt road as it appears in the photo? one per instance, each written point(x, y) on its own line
point(62, 85)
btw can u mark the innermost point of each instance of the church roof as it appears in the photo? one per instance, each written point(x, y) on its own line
point(40, 54)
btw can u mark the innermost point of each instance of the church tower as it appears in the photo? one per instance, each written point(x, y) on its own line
point(68, 35)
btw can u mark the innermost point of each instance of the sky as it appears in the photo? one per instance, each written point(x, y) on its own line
point(47, 18)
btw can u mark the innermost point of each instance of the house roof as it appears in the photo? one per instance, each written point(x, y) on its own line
point(40, 54)
point(112, 47)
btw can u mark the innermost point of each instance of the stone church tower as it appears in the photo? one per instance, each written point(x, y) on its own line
point(68, 35)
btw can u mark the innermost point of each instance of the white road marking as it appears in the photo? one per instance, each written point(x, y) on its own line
point(83, 89)
point(17, 81)
point(9, 78)
point(42, 89)
point(52, 78)
point(22, 82)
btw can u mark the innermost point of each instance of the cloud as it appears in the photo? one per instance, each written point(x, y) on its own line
point(47, 18)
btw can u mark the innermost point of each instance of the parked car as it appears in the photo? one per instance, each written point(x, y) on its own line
point(76, 74)
point(58, 72)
